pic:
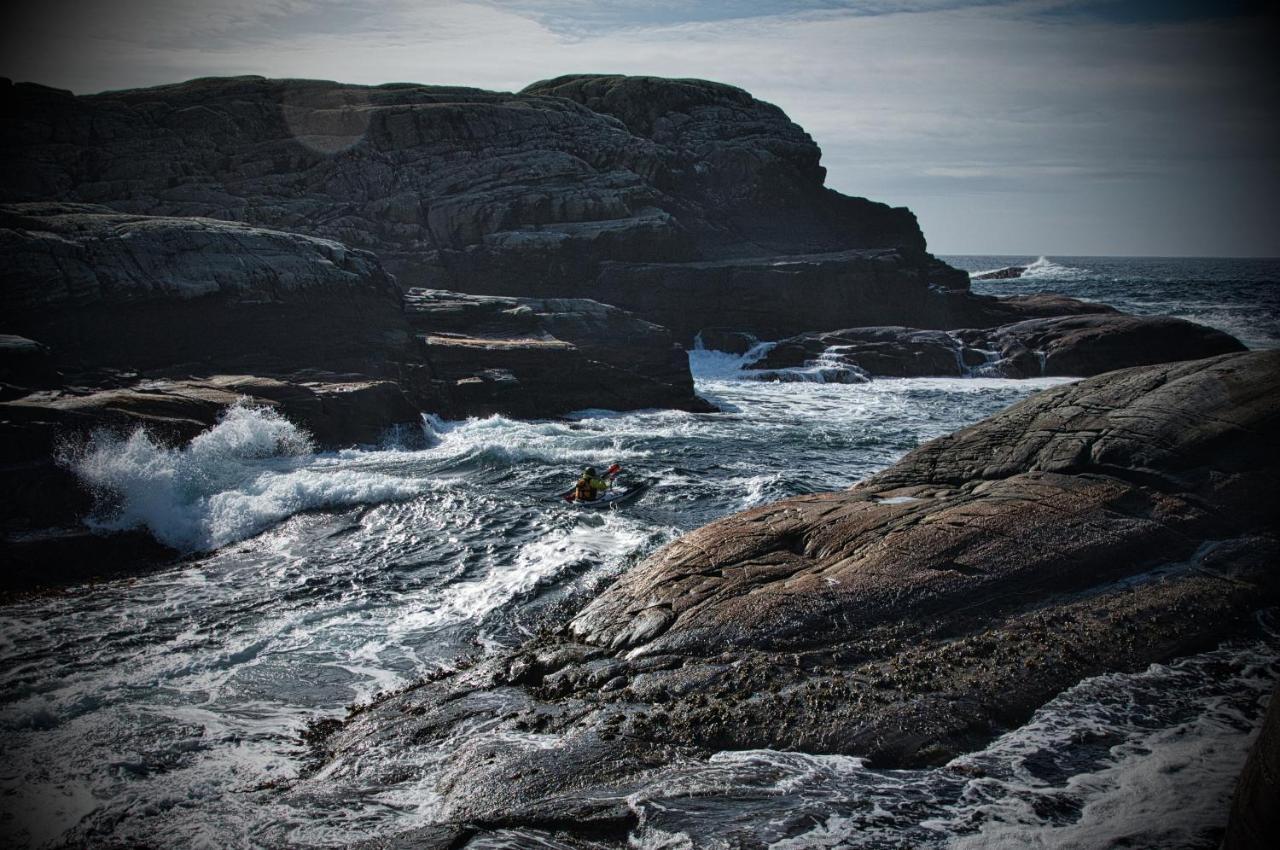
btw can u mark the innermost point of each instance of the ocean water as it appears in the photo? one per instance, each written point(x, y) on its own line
point(165, 710)
point(1239, 296)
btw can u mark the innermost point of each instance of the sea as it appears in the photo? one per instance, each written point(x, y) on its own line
point(165, 710)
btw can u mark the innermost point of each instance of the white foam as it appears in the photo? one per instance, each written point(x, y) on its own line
point(542, 560)
point(246, 473)
point(710, 365)
point(1046, 269)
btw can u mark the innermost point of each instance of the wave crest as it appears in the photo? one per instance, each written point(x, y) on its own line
point(248, 472)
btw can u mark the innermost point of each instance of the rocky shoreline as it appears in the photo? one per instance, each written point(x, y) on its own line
point(354, 257)
point(1099, 526)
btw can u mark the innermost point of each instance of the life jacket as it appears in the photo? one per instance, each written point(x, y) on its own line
point(584, 491)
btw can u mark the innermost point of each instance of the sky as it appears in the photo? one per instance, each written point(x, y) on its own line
point(1028, 127)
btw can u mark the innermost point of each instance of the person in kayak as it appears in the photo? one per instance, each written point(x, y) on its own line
point(590, 486)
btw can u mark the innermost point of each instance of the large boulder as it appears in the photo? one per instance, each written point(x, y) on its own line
point(525, 355)
point(1099, 526)
point(584, 186)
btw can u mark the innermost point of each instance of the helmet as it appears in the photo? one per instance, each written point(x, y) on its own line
point(590, 470)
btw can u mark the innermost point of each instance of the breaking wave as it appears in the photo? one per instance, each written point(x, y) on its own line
point(1046, 269)
point(248, 472)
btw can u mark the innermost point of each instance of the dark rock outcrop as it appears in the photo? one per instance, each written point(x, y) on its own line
point(523, 356)
point(144, 292)
point(1007, 273)
point(1077, 346)
point(24, 365)
point(726, 340)
point(108, 297)
point(1089, 345)
point(1098, 526)
point(585, 186)
point(1254, 822)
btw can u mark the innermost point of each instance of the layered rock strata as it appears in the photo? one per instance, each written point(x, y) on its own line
point(585, 186)
point(1098, 526)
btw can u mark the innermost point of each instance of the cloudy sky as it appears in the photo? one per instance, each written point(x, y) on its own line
point(1130, 127)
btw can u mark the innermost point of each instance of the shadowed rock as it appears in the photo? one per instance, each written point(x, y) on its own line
point(585, 186)
point(1076, 346)
point(1007, 273)
point(524, 356)
point(1255, 821)
point(146, 292)
point(1088, 345)
point(1098, 526)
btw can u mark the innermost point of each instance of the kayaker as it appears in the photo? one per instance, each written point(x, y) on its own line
point(590, 486)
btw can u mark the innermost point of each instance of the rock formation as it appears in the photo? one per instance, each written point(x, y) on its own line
point(1255, 821)
point(108, 298)
point(908, 619)
point(1077, 346)
point(1006, 273)
point(676, 199)
point(126, 320)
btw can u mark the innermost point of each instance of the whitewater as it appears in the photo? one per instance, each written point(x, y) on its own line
point(166, 710)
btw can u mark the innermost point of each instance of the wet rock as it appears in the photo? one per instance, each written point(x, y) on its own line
point(1254, 822)
point(1089, 345)
point(25, 365)
point(1098, 526)
point(1006, 273)
point(1078, 346)
point(528, 356)
point(726, 340)
point(877, 352)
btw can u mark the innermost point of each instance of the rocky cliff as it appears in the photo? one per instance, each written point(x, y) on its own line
point(908, 619)
point(584, 186)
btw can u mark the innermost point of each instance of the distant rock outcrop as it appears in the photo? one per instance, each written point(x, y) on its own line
point(1094, 527)
point(1007, 273)
point(677, 199)
point(1076, 346)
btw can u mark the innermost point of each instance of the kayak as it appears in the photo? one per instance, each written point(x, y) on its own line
point(612, 497)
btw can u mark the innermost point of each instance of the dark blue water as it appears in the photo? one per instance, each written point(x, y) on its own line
point(1239, 296)
point(152, 711)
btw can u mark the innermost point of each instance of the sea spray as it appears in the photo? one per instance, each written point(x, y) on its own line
point(246, 473)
